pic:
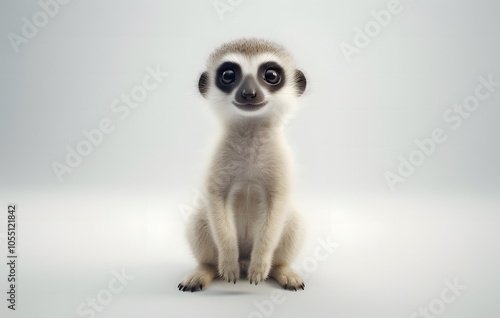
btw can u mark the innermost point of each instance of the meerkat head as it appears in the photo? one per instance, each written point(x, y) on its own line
point(252, 78)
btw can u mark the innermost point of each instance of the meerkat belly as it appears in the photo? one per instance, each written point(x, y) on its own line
point(249, 206)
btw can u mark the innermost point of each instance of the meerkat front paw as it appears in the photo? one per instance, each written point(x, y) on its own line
point(229, 270)
point(258, 271)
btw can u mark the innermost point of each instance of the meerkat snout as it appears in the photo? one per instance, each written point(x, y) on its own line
point(248, 226)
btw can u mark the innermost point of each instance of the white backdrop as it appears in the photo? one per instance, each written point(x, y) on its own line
point(395, 148)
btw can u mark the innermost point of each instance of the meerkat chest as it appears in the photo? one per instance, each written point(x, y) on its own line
point(252, 168)
point(254, 165)
point(253, 159)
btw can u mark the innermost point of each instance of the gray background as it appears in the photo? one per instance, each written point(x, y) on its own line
point(125, 205)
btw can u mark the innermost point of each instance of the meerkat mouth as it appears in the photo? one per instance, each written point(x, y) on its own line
point(250, 106)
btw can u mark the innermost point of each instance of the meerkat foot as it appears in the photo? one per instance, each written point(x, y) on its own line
point(258, 271)
point(229, 271)
point(287, 278)
point(197, 279)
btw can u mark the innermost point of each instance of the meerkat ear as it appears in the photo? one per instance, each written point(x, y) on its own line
point(300, 82)
point(203, 84)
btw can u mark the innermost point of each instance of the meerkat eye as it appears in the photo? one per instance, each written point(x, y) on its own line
point(272, 76)
point(228, 77)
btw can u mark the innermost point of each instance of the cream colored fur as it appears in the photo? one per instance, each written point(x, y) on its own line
point(247, 226)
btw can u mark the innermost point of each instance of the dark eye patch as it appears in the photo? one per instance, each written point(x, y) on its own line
point(271, 75)
point(228, 76)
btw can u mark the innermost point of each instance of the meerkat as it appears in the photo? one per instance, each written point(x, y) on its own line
point(247, 226)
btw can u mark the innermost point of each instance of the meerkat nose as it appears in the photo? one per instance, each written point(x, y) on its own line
point(248, 95)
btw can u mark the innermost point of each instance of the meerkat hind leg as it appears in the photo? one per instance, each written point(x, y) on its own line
point(203, 247)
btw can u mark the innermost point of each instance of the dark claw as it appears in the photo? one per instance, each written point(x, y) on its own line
point(286, 285)
point(256, 283)
point(302, 286)
point(184, 289)
point(235, 280)
point(192, 289)
point(180, 286)
point(294, 288)
point(251, 282)
point(201, 286)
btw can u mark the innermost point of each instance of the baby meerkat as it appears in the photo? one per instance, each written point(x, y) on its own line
point(247, 225)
